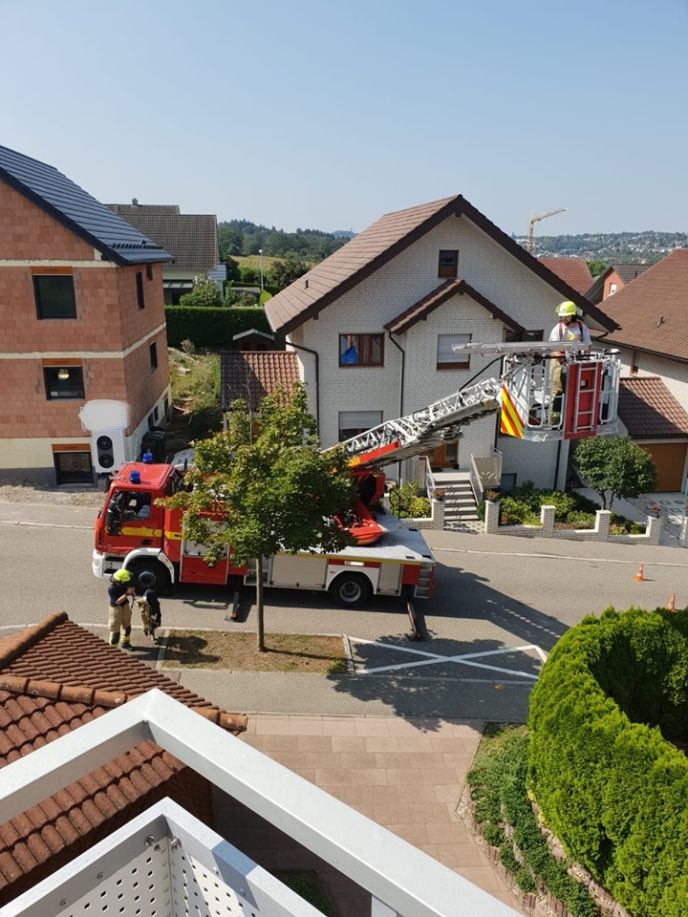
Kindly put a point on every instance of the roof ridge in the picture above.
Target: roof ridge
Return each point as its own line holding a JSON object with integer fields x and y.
{"x": 56, "y": 690}
{"x": 75, "y": 694}
{"x": 440, "y": 200}
{"x": 16, "y": 644}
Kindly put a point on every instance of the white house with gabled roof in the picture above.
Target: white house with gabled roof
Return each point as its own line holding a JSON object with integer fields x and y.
{"x": 375, "y": 324}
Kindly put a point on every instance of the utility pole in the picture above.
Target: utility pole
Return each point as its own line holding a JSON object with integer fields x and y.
{"x": 533, "y": 220}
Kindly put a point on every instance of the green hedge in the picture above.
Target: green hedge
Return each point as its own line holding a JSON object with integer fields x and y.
{"x": 611, "y": 700}
{"x": 498, "y": 791}
{"x": 208, "y": 327}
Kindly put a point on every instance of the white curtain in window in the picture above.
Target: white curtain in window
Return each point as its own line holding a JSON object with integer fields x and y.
{"x": 445, "y": 342}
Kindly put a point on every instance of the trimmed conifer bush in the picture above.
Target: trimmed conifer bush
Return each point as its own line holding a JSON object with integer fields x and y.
{"x": 608, "y": 707}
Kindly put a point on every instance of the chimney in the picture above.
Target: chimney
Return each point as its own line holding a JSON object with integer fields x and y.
{"x": 135, "y": 202}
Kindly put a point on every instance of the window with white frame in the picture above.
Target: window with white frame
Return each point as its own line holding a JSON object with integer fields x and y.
{"x": 447, "y": 357}
{"x": 351, "y": 423}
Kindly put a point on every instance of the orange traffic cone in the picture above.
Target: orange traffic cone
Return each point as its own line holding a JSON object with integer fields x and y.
{"x": 671, "y": 604}
{"x": 640, "y": 575}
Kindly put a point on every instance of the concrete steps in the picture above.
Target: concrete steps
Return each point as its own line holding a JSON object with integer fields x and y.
{"x": 459, "y": 502}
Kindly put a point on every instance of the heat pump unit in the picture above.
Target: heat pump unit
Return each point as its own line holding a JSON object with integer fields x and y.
{"x": 108, "y": 448}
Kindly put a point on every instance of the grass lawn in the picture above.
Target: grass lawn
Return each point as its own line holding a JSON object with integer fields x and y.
{"x": 195, "y": 381}
{"x": 254, "y": 261}
{"x": 284, "y": 652}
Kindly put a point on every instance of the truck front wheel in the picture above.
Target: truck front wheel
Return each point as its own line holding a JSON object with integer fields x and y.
{"x": 150, "y": 574}
{"x": 350, "y": 590}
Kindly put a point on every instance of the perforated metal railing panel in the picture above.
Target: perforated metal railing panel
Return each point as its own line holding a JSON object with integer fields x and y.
{"x": 198, "y": 892}
{"x": 139, "y": 889}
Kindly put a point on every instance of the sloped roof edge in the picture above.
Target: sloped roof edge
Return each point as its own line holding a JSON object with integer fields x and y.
{"x": 310, "y": 306}
{"x": 38, "y": 182}
{"x": 437, "y": 297}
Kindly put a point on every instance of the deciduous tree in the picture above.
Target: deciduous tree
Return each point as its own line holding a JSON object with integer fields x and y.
{"x": 614, "y": 467}
{"x": 263, "y": 486}
{"x": 205, "y": 293}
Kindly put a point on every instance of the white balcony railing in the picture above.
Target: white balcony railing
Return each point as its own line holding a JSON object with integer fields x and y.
{"x": 176, "y": 866}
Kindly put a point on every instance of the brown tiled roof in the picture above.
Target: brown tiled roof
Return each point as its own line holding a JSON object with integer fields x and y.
{"x": 191, "y": 238}
{"x": 652, "y": 311}
{"x": 626, "y": 272}
{"x": 429, "y": 303}
{"x": 253, "y": 374}
{"x": 573, "y": 271}
{"x": 381, "y": 242}
{"x": 649, "y": 410}
{"x": 55, "y": 677}
{"x": 630, "y": 270}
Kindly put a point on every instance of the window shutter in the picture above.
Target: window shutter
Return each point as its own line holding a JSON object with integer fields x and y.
{"x": 357, "y": 420}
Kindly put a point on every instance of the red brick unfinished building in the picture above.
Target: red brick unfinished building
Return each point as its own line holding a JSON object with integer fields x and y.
{"x": 82, "y": 318}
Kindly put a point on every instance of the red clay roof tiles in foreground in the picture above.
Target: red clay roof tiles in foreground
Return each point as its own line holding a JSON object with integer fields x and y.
{"x": 54, "y": 677}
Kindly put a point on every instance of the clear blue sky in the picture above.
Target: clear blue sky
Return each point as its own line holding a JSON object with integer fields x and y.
{"x": 319, "y": 114}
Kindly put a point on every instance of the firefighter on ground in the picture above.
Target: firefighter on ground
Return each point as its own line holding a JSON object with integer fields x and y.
{"x": 119, "y": 612}
{"x": 569, "y": 328}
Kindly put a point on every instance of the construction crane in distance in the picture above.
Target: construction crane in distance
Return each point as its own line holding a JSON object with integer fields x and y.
{"x": 533, "y": 220}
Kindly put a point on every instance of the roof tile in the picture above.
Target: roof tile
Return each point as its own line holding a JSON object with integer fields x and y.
{"x": 39, "y": 850}
{"x": 10, "y": 869}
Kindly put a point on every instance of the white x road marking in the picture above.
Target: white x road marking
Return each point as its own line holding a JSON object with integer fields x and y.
{"x": 434, "y": 658}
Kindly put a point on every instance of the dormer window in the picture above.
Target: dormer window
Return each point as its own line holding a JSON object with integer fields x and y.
{"x": 448, "y": 263}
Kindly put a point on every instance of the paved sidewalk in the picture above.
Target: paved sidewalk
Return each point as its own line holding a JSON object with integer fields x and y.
{"x": 405, "y": 774}
{"x": 359, "y": 695}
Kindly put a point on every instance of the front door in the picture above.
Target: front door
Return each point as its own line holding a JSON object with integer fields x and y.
{"x": 445, "y": 456}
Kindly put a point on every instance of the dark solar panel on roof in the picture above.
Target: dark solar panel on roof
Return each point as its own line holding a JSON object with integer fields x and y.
{"x": 77, "y": 209}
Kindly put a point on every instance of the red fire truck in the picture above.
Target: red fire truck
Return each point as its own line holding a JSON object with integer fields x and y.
{"x": 388, "y": 558}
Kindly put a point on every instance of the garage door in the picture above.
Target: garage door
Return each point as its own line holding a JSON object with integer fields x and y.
{"x": 669, "y": 459}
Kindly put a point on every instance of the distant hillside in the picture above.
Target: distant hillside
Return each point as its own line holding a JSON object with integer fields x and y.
{"x": 241, "y": 237}
{"x": 613, "y": 247}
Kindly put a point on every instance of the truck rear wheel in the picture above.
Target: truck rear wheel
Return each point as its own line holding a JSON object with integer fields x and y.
{"x": 150, "y": 574}
{"x": 350, "y": 590}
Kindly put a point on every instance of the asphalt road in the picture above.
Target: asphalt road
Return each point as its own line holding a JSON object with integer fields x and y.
{"x": 500, "y": 604}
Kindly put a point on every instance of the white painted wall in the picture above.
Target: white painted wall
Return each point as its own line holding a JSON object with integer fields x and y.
{"x": 395, "y": 287}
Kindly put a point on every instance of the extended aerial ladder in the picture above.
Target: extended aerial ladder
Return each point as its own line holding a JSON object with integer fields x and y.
{"x": 524, "y": 391}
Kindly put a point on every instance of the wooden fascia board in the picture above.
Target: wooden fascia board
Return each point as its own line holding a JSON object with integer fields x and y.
{"x": 463, "y": 289}
{"x": 370, "y": 268}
